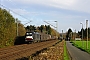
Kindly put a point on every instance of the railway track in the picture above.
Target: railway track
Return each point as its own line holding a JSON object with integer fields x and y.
{"x": 19, "y": 51}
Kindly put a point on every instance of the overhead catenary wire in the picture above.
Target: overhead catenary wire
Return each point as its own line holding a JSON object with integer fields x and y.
{"x": 50, "y": 24}
{"x": 14, "y": 12}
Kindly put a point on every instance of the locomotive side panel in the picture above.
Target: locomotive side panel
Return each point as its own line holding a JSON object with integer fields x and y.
{"x": 36, "y": 37}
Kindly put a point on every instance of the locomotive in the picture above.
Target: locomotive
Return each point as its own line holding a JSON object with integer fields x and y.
{"x": 37, "y": 37}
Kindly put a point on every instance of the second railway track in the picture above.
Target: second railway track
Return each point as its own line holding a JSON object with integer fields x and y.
{"x": 19, "y": 51}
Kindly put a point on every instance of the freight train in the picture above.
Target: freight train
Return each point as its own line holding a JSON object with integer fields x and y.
{"x": 37, "y": 37}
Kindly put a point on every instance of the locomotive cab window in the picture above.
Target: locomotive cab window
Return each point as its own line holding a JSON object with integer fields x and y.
{"x": 28, "y": 34}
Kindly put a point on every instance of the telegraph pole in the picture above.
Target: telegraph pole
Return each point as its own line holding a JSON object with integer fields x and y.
{"x": 82, "y": 30}
{"x": 82, "y": 34}
{"x": 56, "y": 28}
{"x": 0, "y": 4}
{"x": 17, "y": 22}
{"x": 62, "y": 35}
{"x": 17, "y": 26}
{"x": 75, "y": 36}
{"x": 87, "y": 33}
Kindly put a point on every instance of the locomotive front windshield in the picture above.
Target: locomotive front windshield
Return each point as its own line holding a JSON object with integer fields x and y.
{"x": 28, "y": 34}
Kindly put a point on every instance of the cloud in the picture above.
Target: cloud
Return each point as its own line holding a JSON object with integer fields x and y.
{"x": 77, "y": 5}
{"x": 21, "y": 11}
{"x": 35, "y": 13}
{"x": 54, "y": 3}
{"x": 26, "y": 12}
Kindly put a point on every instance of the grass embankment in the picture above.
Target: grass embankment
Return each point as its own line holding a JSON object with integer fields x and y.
{"x": 82, "y": 45}
{"x": 66, "y": 55}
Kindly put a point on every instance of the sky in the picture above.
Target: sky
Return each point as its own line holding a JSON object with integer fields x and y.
{"x": 67, "y": 13}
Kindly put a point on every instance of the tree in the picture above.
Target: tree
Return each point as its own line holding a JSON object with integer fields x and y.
{"x": 49, "y": 29}
{"x": 31, "y": 28}
{"x": 41, "y": 28}
{"x": 21, "y": 30}
{"x": 7, "y": 28}
{"x": 84, "y": 33}
{"x": 89, "y": 32}
{"x": 69, "y": 31}
{"x": 69, "y": 34}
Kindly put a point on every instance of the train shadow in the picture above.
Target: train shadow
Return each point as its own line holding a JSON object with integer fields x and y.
{"x": 19, "y": 40}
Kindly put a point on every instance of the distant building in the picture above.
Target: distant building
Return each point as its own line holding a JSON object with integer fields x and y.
{"x": 62, "y": 35}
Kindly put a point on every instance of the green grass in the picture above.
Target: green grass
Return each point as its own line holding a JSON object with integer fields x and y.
{"x": 66, "y": 56}
{"x": 82, "y": 45}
